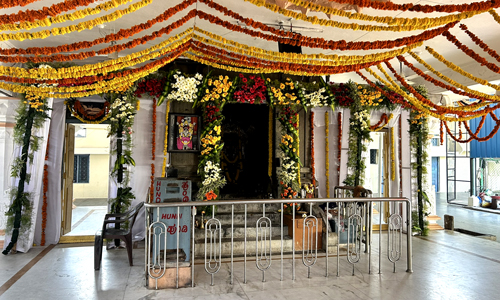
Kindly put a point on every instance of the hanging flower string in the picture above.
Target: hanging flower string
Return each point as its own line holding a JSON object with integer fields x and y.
{"x": 153, "y": 149}
{"x": 441, "y": 132}
{"x": 298, "y": 147}
{"x": 313, "y": 162}
{"x": 327, "y": 154}
{"x": 45, "y": 190}
{"x": 270, "y": 143}
{"x": 384, "y": 120}
{"x": 393, "y": 156}
{"x": 339, "y": 145}
{"x": 165, "y": 143}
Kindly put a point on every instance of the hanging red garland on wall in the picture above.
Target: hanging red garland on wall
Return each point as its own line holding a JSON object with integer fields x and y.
{"x": 339, "y": 150}
{"x": 153, "y": 147}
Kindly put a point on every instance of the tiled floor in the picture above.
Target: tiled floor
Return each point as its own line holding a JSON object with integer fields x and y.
{"x": 446, "y": 265}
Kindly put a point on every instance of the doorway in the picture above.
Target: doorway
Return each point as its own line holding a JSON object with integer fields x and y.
{"x": 377, "y": 175}
{"x": 85, "y": 181}
{"x": 244, "y": 157}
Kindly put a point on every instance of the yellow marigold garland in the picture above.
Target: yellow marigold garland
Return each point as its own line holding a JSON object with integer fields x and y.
{"x": 298, "y": 148}
{"x": 393, "y": 156}
{"x": 80, "y": 14}
{"x": 327, "y": 154}
{"x": 394, "y": 87}
{"x": 460, "y": 71}
{"x": 354, "y": 26}
{"x": 104, "y": 67}
{"x": 316, "y": 59}
{"x": 21, "y": 36}
{"x": 417, "y": 23}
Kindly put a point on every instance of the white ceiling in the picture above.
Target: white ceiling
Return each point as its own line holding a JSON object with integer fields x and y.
{"x": 482, "y": 25}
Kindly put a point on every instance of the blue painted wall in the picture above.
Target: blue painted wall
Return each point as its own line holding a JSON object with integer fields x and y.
{"x": 490, "y": 148}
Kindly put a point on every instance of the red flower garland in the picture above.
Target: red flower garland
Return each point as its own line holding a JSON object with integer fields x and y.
{"x": 53, "y": 10}
{"x": 471, "y": 52}
{"x": 473, "y": 135}
{"x": 400, "y": 157}
{"x": 77, "y": 106}
{"x": 441, "y": 133}
{"x": 14, "y": 3}
{"x": 300, "y": 40}
{"x": 121, "y": 34}
{"x": 339, "y": 152}
{"x": 384, "y": 118}
{"x": 439, "y": 83}
{"x": 153, "y": 147}
{"x": 485, "y": 5}
{"x": 480, "y": 43}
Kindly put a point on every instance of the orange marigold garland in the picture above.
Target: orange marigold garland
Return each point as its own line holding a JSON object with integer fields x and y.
{"x": 327, "y": 154}
{"x": 441, "y": 133}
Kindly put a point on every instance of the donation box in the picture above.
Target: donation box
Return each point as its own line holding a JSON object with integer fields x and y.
{"x": 172, "y": 190}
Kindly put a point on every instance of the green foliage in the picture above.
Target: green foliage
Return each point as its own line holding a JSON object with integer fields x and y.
{"x": 122, "y": 201}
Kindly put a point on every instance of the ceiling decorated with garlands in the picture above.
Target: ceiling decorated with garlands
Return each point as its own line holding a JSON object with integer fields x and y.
{"x": 448, "y": 45}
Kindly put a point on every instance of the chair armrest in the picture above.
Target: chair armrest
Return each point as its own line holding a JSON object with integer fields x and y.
{"x": 114, "y": 221}
{"x": 115, "y": 215}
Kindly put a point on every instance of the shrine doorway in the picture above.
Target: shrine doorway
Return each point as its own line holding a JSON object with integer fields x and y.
{"x": 245, "y": 155}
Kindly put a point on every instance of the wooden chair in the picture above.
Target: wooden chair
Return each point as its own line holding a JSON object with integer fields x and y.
{"x": 124, "y": 234}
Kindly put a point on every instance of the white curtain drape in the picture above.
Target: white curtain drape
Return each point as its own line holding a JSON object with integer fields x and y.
{"x": 54, "y": 163}
{"x": 35, "y": 169}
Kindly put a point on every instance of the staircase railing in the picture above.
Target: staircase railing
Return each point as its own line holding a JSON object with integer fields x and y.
{"x": 160, "y": 237}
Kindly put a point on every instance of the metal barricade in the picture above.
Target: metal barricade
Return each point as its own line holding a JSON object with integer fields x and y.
{"x": 357, "y": 215}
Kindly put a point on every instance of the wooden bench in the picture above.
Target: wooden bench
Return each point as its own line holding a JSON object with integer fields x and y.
{"x": 122, "y": 233}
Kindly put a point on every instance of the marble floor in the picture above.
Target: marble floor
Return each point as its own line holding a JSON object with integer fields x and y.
{"x": 446, "y": 265}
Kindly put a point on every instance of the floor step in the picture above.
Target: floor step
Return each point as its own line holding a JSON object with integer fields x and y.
{"x": 432, "y": 222}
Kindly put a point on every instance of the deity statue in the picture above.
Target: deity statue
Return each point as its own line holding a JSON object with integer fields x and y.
{"x": 185, "y": 137}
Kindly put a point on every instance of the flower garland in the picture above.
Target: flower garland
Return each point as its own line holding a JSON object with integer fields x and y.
{"x": 474, "y": 136}
{"x": 270, "y": 143}
{"x": 461, "y": 90}
{"x": 485, "y": 5}
{"x": 471, "y": 53}
{"x": 359, "y": 131}
{"x": 441, "y": 132}
{"x": 419, "y": 132}
{"x": 460, "y": 71}
{"x": 165, "y": 143}
{"x": 400, "y": 148}
{"x": 45, "y": 190}
{"x": 299, "y": 40}
{"x": 250, "y": 90}
{"x": 30, "y": 15}
{"x": 121, "y": 34}
{"x": 313, "y": 162}
{"x": 217, "y": 92}
{"x": 102, "y": 68}
{"x": 314, "y": 59}
{"x": 414, "y": 102}
{"x": 289, "y": 145}
{"x": 315, "y": 94}
{"x": 384, "y": 120}
{"x": 80, "y": 14}
{"x": 298, "y": 148}
{"x": 420, "y": 23}
{"x": 21, "y": 36}
{"x": 480, "y": 43}
{"x": 78, "y": 111}
{"x": 13, "y": 3}
{"x": 399, "y": 24}
{"x": 339, "y": 145}
{"x": 153, "y": 149}
{"x": 327, "y": 154}
{"x": 393, "y": 156}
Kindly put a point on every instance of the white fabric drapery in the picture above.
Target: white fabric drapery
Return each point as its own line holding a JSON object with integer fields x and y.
{"x": 34, "y": 186}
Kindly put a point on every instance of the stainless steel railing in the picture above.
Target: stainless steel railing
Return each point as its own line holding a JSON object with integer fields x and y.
{"x": 355, "y": 213}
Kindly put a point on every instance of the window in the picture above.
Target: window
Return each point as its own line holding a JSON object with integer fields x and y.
{"x": 81, "y": 168}
{"x": 435, "y": 142}
{"x": 373, "y": 156}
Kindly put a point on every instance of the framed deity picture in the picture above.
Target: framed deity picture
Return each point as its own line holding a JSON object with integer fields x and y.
{"x": 183, "y": 133}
